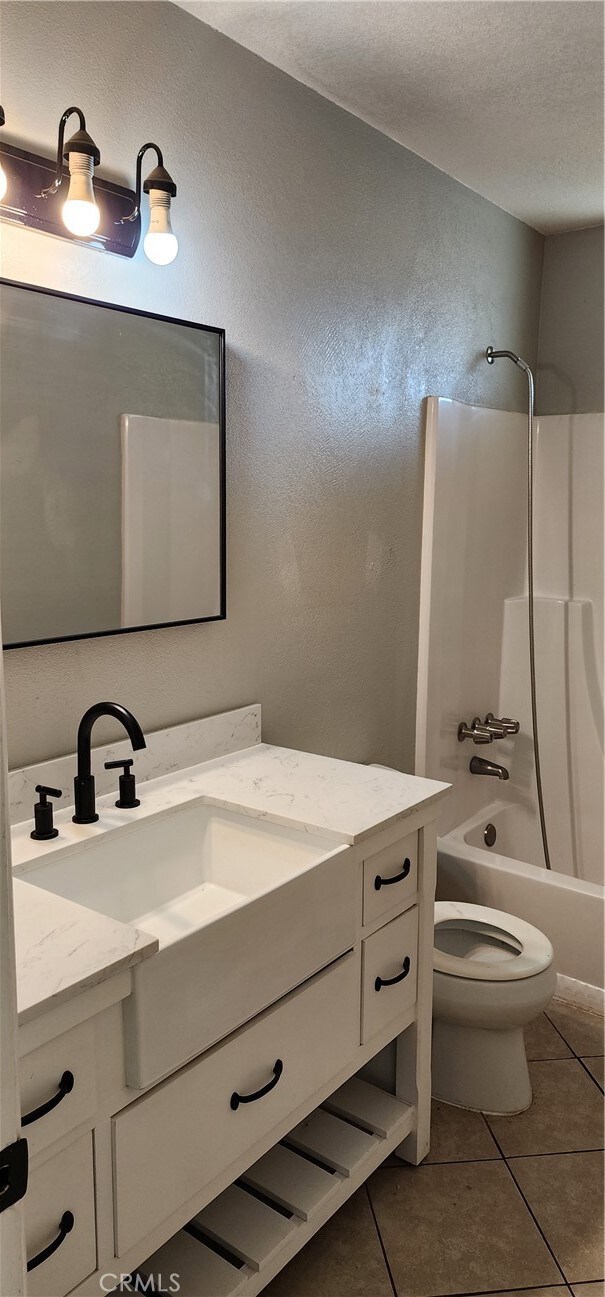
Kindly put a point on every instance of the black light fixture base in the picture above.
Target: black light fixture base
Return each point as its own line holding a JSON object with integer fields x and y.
{"x": 160, "y": 179}
{"x": 82, "y": 143}
{"x": 29, "y": 173}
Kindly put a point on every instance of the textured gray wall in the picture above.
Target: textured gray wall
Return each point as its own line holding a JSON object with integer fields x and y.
{"x": 570, "y": 353}
{"x": 353, "y": 279}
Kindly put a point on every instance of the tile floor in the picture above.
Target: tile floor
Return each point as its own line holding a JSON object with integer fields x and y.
{"x": 501, "y": 1205}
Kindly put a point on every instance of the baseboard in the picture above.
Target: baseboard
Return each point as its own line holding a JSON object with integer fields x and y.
{"x": 570, "y": 991}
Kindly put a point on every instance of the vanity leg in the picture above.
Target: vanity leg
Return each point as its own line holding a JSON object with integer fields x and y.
{"x": 413, "y": 1057}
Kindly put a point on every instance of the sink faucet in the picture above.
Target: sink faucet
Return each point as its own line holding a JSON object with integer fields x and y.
{"x": 84, "y": 782}
{"x": 479, "y": 766}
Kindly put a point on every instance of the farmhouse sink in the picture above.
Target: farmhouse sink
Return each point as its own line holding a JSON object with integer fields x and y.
{"x": 238, "y": 905}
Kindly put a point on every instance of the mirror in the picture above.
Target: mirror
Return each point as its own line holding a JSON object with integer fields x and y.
{"x": 112, "y": 468}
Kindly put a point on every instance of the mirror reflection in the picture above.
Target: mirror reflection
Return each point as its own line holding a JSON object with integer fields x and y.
{"x": 112, "y": 463}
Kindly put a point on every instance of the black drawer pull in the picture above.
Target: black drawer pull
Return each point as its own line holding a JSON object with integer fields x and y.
{"x": 236, "y": 1098}
{"x": 66, "y": 1085}
{"x": 397, "y": 878}
{"x": 66, "y": 1225}
{"x": 392, "y": 981}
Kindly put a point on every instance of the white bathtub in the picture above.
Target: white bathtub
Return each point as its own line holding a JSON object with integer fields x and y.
{"x": 570, "y": 911}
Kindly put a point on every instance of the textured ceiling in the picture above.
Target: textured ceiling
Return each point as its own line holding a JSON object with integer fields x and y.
{"x": 504, "y": 95}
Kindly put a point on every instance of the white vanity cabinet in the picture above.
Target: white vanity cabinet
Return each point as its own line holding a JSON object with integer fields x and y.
{"x": 389, "y": 974}
{"x": 61, "y": 1192}
{"x": 221, "y": 1171}
{"x": 190, "y": 1126}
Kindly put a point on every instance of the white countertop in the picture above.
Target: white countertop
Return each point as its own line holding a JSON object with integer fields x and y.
{"x": 313, "y": 793}
{"x": 63, "y": 947}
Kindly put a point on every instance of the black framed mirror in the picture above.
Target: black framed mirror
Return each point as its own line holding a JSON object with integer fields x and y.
{"x": 112, "y": 468}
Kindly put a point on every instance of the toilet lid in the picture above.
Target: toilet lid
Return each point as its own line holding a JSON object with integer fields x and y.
{"x": 488, "y": 945}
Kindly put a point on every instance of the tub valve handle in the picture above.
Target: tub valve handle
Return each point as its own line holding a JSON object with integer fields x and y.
{"x": 501, "y": 728}
{"x": 478, "y": 732}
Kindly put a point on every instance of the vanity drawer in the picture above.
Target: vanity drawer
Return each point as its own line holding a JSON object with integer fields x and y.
{"x": 389, "y": 973}
{"x": 390, "y": 878}
{"x": 58, "y": 1086}
{"x": 63, "y": 1183}
{"x": 172, "y": 1142}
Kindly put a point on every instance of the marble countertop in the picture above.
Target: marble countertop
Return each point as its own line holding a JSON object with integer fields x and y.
{"x": 313, "y": 793}
{"x": 63, "y": 947}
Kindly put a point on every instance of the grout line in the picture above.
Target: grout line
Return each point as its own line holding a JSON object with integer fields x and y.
{"x": 573, "y": 1058}
{"x": 558, "y": 1058}
{"x": 536, "y": 1222}
{"x": 560, "y": 1033}
{"x": 466, "y": 1161}
{"x": 382, "y": 1246}
{"x": 499, "y": 1292}
{"x": 587, "y": 1070}
{"x": 560, "y": 1152}
{"x": 492, "y": 1136}
{"x": 567, "y": 1042}
{"x": 455, "y": 1161}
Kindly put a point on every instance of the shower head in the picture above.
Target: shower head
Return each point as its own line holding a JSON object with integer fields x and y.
{"x": 491, "y": 356}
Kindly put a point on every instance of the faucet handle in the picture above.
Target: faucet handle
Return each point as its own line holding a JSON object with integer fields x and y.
{"x": 43, "y": 814}
{"x": 500, "y": 728}
{"x": 128, "y": 789}
{"x": 495, "y": 727}
{"x": 478, "y": 732}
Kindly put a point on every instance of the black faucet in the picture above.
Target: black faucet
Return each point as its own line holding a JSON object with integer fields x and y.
{"x": 84, "y": 782}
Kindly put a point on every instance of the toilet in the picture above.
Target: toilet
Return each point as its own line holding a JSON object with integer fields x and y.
{"x": 493, "y": 974}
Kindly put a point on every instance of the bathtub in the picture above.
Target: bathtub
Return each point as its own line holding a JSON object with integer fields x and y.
{"x": 570, "y": 911}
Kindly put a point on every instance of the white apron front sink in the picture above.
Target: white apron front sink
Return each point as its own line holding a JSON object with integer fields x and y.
{"x": 240, "y": 908}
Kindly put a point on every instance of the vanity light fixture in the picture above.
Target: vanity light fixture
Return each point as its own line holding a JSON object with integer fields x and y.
{"x": 95, "y": 212}
{"x": 3, "y": 180}
{"x": 160, "y": 242}
{"x": 81, "y": 214}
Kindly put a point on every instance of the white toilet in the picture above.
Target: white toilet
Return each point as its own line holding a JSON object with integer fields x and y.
{"x": 493, "y": 973}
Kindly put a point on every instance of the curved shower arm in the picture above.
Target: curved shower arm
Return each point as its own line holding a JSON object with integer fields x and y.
{"x": 491, "y": 356}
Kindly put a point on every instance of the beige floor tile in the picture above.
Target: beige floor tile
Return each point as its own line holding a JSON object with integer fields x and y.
{"x": 344, "y": 1259}
{"x": 596, "y": 1067}
{"x": 589, "y": 1289}
{"x": 542, "y": 1040}
{"x": 582, "y": 1031}
{"x": 458, "y": 1228}
{"x": 566, "y": 1114}
{"x": 458, "y": 1135}
{"x": 565, "y": 1193}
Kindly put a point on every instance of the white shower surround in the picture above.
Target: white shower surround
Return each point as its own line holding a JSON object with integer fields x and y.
{"x": 473, "y": 657}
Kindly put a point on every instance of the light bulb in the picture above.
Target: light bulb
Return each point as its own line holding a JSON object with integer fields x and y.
{"x": 160, "y": 244}
{"x": 80, "y": 212}
{"x": 3, "y": 182}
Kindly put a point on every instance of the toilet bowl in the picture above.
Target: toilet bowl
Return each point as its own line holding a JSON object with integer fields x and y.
{"x": 493, "y": 974}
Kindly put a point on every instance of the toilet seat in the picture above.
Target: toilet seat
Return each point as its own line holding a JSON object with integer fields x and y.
{"x": 506, "y": 948}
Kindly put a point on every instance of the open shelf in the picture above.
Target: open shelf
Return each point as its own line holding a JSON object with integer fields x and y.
{"x": 242, "y": 1239}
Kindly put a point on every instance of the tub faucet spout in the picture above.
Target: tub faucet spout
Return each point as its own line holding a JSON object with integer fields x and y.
{"x": 479, "y": 766}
